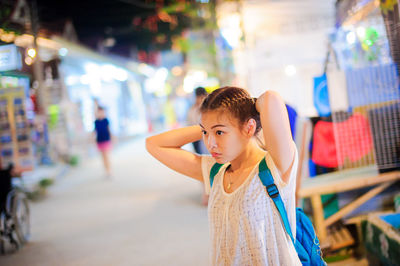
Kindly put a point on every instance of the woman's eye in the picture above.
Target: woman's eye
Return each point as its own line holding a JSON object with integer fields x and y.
{"x": 204, "y": 132}
{"x": 219, "y": 132}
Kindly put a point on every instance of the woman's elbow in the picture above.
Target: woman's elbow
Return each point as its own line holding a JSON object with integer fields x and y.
{"x": 150, "y": 144}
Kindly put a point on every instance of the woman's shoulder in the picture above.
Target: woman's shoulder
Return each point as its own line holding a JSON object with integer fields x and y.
{"x": 275, "y": 172}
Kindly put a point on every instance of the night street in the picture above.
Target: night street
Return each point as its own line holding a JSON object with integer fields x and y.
{"x": 144, "y": 215}
{"x": 98, "y": 99}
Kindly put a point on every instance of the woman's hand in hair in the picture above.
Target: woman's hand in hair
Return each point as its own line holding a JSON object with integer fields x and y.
{"x": 259, "y": 102}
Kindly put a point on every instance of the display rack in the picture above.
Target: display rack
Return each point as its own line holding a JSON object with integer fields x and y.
{"x": 15, "y": 139}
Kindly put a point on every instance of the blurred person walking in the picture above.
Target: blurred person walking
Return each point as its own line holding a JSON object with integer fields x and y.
{"x": 103, "y": 138}
{"x": 193, "y": 118}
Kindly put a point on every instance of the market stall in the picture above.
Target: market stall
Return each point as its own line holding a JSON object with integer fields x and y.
{"x": 15, "y": 112}
{"x": 354, "y": 142}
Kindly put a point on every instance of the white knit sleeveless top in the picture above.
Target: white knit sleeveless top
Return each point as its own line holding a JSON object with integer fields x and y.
{"x": 245, "y": 226}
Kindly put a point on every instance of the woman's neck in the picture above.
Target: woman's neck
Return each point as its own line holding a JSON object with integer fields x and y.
{"x": 250, "y": 156}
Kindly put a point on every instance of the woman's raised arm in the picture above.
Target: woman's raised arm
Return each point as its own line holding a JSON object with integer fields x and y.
{"x": 276, "y": 130}
{"x": 166, "y": 147}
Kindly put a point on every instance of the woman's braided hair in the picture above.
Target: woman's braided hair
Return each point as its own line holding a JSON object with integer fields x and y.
{"x": 235, "y": 100}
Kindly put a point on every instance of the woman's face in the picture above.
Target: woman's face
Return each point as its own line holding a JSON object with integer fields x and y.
{"x": 101, "y": 114}
{"x": 222, "y": 135}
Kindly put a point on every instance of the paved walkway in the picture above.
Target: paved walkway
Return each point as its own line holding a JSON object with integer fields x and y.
{"x": 145, "y": 215}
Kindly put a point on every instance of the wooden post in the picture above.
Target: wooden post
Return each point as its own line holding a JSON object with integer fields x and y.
{"x": 301, "y": 160}
{"x": 356, "y": 203}
{"x": 318, "y": 214}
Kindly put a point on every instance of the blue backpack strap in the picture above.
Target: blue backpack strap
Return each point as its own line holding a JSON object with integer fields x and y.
{"x": 214, "y": 172}
{"x": 268, "y": 181}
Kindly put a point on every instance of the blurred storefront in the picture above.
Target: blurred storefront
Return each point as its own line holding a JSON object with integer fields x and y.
{"x": 15, "y": 111}
{"x": 93, "y": 79}
{"x": 278, "y": 45}
{"x": 74, "y": 81}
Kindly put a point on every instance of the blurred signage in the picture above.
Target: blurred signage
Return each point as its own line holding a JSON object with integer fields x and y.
{"x": 9, "y": 59}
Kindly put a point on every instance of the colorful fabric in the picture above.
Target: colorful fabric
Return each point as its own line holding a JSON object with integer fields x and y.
{"x": 353, "y": 141}
{"x": 354, "y": 138}
{"x": 324, "y": 149}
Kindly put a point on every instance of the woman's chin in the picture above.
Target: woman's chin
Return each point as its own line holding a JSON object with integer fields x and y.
{"x": 220, "y": 160}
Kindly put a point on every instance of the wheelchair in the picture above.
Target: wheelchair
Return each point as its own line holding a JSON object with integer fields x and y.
{"x": 14, "y": 215}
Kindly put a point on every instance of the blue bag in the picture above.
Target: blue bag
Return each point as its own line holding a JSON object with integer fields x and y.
{"x": 306, "y": 242}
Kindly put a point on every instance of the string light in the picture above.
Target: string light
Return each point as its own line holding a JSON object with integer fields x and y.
{"x": 31, "y": 52}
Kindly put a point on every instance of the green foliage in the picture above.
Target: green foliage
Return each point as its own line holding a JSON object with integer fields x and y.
{"x": 173, "y": 19}
{"x": 178, "y": 7}
{"x": 184, "y": 44}
{"x": 210, "y": 25}
{"x": 41, "y": 190}
{"x": 34, "y": 195}
{"x": 5, "y": 11}
{"x": 212, "y": 50}
{"x": 46, "y": 182}
{"x": 74, "y": 160}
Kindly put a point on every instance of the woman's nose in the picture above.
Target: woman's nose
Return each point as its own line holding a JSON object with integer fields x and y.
{"x": 211, "y": 143}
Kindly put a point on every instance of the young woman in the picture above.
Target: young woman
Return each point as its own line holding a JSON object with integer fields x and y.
{"x": 103, "y": 138}
{"x": 245, "y": 226}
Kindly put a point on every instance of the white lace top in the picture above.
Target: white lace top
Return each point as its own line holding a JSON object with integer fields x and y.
{"x": 245, "y": 226}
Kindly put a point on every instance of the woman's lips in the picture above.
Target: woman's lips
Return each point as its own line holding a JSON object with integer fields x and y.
{"x": 214, "y": 154}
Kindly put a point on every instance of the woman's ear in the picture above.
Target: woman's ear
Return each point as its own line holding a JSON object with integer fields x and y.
{"x": 251, "y": 127}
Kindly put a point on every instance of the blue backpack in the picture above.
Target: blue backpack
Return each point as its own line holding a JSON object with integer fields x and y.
{"x": 306, "y": 242}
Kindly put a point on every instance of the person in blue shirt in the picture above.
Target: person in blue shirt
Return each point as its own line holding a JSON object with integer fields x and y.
{"x": 103, "y": 138}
